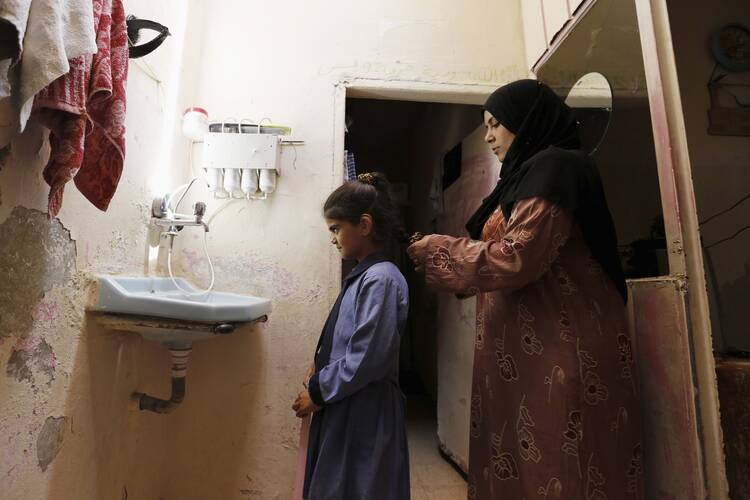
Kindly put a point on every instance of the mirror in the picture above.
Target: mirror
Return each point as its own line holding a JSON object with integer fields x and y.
{"x": 591, "y": 101}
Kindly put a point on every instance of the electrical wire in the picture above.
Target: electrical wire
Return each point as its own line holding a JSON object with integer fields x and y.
{"x": 728, "y": 238}
{"x": 722, "y": 212}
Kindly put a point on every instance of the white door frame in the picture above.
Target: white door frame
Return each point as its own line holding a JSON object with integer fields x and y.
{"x": 389, "y": 90}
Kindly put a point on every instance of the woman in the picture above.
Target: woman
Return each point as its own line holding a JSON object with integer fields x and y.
{"x": 554, "y": 406}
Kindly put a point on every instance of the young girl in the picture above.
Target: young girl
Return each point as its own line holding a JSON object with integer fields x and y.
{"x": 357, "y": 447}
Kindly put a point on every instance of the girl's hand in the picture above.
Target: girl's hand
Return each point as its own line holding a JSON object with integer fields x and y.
{"x": 418, "y": 253}
{"x": 310, "y": 372}
{"x": 303, "y": 406}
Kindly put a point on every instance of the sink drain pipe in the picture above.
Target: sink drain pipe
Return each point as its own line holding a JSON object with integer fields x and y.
{"x": 179, "y": 370}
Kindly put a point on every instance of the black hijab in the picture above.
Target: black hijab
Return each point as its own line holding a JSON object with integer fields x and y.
{"x": 545, "y": 161}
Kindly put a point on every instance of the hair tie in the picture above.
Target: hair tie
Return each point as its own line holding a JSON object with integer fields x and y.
{"x": 366, "y": 178}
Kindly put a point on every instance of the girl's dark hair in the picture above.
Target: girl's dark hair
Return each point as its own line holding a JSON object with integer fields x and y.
{"x": 369, "y": 194}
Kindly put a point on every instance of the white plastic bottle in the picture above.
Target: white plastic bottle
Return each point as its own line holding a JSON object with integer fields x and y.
{"x": 267, "y": 182}
{"x": 249, "y": 181}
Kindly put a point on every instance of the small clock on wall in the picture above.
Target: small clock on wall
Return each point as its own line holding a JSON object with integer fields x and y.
{"x": 730, "y": 46}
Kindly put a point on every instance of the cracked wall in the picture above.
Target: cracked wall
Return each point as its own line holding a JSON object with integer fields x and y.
{"x": 57, "y": 363}
{"x": 37, "y": 255}
{"x": 66, "y": 428}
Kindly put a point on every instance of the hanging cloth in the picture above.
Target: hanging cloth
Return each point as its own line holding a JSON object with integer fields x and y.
{"x": 85, "y": 112}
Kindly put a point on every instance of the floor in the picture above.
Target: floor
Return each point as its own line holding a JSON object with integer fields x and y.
{"x": 432, "y": 477}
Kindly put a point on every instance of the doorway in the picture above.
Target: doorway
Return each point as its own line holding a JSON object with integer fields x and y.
{"x": 418, "y": 144}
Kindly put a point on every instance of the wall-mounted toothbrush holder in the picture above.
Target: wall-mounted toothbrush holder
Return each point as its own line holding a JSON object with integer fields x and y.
{"x": 242, "y": 160}
{"x": 241, "y": 151}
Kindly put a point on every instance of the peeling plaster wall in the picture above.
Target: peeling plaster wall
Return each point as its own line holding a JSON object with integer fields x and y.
{"x": 719, "y": 163}
{"x": 66, "y": 429}
{"x": 235, "y": 435}
{"x": 282, "y": 61}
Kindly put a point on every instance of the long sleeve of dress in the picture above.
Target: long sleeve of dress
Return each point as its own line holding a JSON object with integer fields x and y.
{"x": 518, "y": 255}
{"x": 372, "y": 349}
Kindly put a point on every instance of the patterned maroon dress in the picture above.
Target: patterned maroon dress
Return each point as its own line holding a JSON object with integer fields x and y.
{"x": 554, "y": 405}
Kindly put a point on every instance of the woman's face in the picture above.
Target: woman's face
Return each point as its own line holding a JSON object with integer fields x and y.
{"x": 498, "y": 137}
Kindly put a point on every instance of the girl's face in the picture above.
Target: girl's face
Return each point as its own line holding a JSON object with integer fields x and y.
{"x": 354, "y": 241}
{"x": 498, "y": 137}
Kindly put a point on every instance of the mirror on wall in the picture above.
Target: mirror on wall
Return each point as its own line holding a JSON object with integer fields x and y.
{"x": 591, "y": 101}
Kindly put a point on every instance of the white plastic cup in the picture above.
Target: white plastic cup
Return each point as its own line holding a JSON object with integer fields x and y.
{"x": 195, "y": 124}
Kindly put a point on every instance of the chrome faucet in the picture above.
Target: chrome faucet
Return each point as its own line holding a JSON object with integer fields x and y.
{"x": 163, "y": 215}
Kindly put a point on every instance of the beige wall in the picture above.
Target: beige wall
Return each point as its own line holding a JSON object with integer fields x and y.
{"x": 280, "y": 247}
{"x": 65, "y": 427}
{"x": 719, "y": 163}
{"x": 235, "y": 436}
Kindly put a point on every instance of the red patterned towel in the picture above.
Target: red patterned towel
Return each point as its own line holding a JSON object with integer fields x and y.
{"x": 85, "y": 112}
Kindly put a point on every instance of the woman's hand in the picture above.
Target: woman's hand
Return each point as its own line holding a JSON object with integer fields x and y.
{"x": 418, "y": 253}
{"x": 303, "y": 405}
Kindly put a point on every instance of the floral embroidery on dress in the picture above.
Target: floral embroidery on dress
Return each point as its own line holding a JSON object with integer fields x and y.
{"x": 508, "y": 246}
{"x": 635, "y": 469}
{"x": 515, "y": 241}
{"x": 442, "y": 259}
{"x": 626, "y": 355}
{"x": 596, "y": 481}
{"x": 471, "y": 488}
{"x": 504, "y": 466}
{"x": 506, "y": 363}
{"x": 479, "y": 337}
{"x": 558, "y": 240}
{"x": 476, "y": 413}
{"x": 595, "y": 311}
{"x": 620, "y": 418}
{"x": 594, "y": 390}
{"x": 567, "y": 286}
{"x": 587, "y": 361}
{"x": 573, "y": 436}
{"x": 524, "y": 314}
{"x": 557, "y": 374}
{"x": 530, "y": 343}
{"x": 566, "y": 327}
{"x": 523, "y": 235}
{"x": 526, "y": 445}
{"x": 486, "y": 272}
{"x": 553, "y": 489}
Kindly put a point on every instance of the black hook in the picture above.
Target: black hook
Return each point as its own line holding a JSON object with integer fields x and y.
{"x": 135, "y": 25}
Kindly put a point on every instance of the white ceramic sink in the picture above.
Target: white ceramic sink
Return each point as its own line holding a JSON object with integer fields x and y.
{"x": 160, "y": 298}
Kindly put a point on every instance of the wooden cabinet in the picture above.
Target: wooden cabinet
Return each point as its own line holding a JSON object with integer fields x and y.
{"x": 535, "y": 36}
{"x": 574, "y": 4}
{"x": 556, "y": 15}
{"x": 543, "y": 20}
